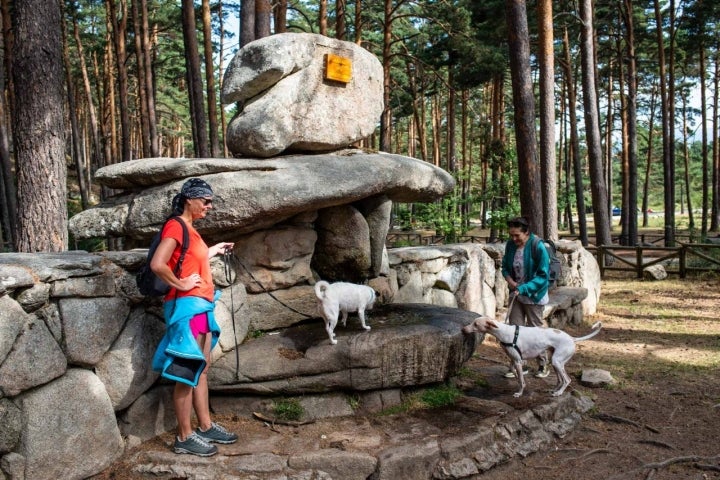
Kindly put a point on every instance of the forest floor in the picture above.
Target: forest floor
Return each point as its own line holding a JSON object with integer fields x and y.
{"x": 660, "y": 421}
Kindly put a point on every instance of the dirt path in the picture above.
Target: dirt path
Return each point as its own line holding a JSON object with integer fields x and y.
{"x": 661, "y": 342}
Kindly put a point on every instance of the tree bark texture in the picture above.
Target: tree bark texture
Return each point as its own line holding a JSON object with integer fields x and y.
{"x": 119, "y": 31}
{"x": 524, "y": 106}
{"x": 548, "y": 169}
{"x": 631, "y": 108}
{"x": 263, "y": 14}
{"x": 38, "y": 126}
{"x": 247, "y": 22}
{"x": 212, "y": 110}
{"x": 194, "y": 79}
{"x": 592, "y": 126}
{"x": 668, "y": 169}
{"x": 575, "y": 140}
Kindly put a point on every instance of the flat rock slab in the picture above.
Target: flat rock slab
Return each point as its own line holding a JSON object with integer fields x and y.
{"x": 252, "y": 194}
{"x": 409, "y": 344}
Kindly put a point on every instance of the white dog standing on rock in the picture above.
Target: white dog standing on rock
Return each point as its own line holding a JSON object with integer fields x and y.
{"x": 334, "y": 298}
{"x": 522, "y": 343}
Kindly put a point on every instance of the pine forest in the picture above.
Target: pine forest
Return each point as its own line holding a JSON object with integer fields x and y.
{"x": 595, "y": 119}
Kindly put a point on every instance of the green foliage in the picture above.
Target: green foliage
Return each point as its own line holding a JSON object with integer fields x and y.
{"x": 441, "y": 396}
{"x": 432, "y": 397}
{"x": 288, "y": 409}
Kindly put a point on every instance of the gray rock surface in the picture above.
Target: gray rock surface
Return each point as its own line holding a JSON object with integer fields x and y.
{"x": 126, "y": 369}
{"x": 287, "y": 104}
{"x": 251, "y": 194}
{"x": 68, "y": 439}
{"x": 343, "y": 245}
{"x": 408, "y": 345}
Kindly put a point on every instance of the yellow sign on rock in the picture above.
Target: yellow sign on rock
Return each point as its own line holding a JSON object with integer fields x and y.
{"x": 338, "y": 68}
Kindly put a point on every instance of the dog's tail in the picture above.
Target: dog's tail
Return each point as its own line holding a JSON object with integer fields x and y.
{"x": 320, "y": 289}
{"x": 597, "y": 326}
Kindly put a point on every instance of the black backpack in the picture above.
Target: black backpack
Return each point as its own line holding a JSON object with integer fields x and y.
{"x": 147, "y": 282}
{"x": 555, "y": 265}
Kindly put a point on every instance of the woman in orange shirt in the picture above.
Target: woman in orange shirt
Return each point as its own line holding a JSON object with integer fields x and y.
{"x": 184, "y": 352}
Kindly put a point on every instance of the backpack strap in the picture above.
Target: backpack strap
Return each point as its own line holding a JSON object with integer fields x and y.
{"x": 183, "y": 247}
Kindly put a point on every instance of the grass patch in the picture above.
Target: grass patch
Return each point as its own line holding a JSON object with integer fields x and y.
{"x": 288, "y": 409}
{"x": 427, "y": 398}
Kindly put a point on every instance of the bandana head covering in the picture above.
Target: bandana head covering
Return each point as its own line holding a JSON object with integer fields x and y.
{"x": 196, "y": 188}
{"x": 193, "y": 188}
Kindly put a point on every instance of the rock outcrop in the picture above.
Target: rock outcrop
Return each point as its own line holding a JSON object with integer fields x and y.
{"x": 288, "y": 103}
{"x": 251, "y": 194}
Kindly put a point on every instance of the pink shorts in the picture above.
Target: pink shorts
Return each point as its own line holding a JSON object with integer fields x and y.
{"x": 199, "y": 324}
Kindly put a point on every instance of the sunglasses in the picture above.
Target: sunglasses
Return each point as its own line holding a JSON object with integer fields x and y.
{"x": 206, "y": 201}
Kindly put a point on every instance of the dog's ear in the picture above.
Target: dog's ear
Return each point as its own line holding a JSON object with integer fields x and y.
{"x": 491, "y": 323}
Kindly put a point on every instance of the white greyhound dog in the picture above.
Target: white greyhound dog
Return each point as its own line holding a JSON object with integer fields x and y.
{"x": 522, "y": 343}
{"x": 337, "y": 297}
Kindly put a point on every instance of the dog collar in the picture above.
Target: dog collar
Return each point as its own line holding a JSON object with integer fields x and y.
{"x": 514, "y": 342}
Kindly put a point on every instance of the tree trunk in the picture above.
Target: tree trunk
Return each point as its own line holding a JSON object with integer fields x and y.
{"x": 247, "y": 22}
{"x": 8, "y": 193}
{"x": 142, "y": 82}
{"x": 38, "y": 127}
{"x": 668, "y": 168}
{"x": 715, "y": 212}
{"x": 119, "y": 32}
{"x": 631, "y": 103}
{"x": 592, "y": 126}
{"x": 704, "y": 147}
{"x": 194, "y": 79}
{"x": 322, "y": 16}
{"x": 212, "y": 110}
{"x": 280, "y": 16}
{"x": 97, "y": 149}
{"x": 648, "y": 161}
{"x": 450, "y": 121}
{"x": 686, "y": 159}
{"x": 436, "y": 130}
{"x": 263, "y": 14}
{"x": 149, "y": 83}
{"x": 670, "y": 175}
{"x": 221, "y": 70}
{"x": 524, "y": 115}
{"x": 358, "y": 21}
{"x": 574, "y": 141}
{"x": 77, "y": 150}
{"x": 340, "y": 32}
{"x": 386, "y": 116}
{"x": 624, "y": 176}
{"x": 548, "y": 169}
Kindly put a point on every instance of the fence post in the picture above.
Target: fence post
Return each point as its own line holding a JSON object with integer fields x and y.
{"x": 638, "y": 262}
{"x": 683, "y": 257}
{"x": 601, "y": 260}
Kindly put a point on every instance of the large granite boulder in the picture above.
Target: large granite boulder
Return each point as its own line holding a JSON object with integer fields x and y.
{"x": 251, "y": 194}
{"x": 410, "y": 344}
{"x": 64, "y": 437}
{"x": 287, "y": 103}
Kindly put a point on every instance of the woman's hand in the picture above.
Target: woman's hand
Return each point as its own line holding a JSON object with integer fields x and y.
{"x": 188, "y": 283}
{"x": 221, "y": 247}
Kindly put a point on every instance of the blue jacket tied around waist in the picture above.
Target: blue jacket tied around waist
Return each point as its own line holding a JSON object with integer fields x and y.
{"x": 179, "y": 357}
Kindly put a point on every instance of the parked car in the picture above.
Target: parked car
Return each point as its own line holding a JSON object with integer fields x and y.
{"x": 616, "y": 211}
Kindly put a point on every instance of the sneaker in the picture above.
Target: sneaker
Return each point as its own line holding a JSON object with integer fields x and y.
{"x": 543, "y": 371}
{"x": 195, "y": 445}
{"x": 511, "y": 373}
{"x": 217, "y": 434}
